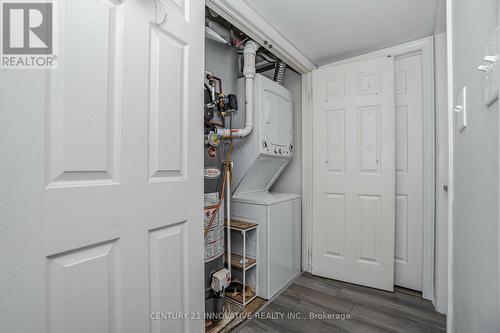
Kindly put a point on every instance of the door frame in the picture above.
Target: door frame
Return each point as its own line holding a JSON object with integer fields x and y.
{"x": 239, "y": 14}
{"x": 451, "y": 103}
{"x": 426, "y": 47}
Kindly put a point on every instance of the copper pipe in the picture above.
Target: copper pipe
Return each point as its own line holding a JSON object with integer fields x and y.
{"x": 217, "y": 207}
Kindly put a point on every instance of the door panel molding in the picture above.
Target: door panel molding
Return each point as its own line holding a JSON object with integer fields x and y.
{"x": 83, "y": 129}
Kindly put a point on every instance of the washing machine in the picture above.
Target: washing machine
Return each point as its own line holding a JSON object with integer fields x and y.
{"x": 278, "y": 243}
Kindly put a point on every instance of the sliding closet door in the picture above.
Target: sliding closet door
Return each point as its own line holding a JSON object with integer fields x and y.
{"x": 409, "y": 172}
{"x": 101, "y": 196}
{"x": 354, "y": 178}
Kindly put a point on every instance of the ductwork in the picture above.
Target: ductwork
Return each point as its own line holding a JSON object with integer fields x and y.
{"x": 249, "y": 53}
{"x": 279, "y": 72}
{"x": 212, "y": 35}
{"x": 217, "y": 32}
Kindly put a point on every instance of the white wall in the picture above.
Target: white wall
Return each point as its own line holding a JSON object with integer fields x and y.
{"x": 475, "y": 266}
{"x": 441, "y": 246}
{"x": 440, "y": 19}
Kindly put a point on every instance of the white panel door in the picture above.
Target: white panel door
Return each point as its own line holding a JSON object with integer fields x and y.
{"x": 409, "y": 171}
{"x": 354, "y": 181}
{"x": 101, "y": 183}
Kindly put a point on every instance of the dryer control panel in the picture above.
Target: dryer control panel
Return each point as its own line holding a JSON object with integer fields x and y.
{"x": 275, "y": 150}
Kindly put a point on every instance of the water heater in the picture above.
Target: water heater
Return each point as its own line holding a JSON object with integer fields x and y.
{"x": 260, "y": 158}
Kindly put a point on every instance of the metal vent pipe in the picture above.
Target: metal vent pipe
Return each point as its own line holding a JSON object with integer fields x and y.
{"x": 279, "y": 72}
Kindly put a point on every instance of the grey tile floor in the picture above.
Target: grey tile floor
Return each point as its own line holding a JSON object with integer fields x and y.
{"x": 369, "y": 310}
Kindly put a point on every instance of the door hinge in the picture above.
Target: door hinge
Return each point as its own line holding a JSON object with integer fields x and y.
{"x": 310, "y": 95}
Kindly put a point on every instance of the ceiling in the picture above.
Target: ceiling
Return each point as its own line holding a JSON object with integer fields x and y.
{"x": 329, "y": 30}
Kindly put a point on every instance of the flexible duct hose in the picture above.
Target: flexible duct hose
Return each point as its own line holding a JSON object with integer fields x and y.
{"x": 279, "y": 72}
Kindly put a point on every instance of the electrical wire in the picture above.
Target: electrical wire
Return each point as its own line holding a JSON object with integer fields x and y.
{"x": 237, "y": 45}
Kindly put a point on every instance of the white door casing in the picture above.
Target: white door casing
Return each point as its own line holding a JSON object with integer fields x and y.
{"x": 100, "y": 211}
{"x": 409, "y": 171}
{"x": 353, "y": 172}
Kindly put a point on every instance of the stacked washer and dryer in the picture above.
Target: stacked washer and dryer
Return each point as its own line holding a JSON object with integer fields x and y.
{"x": 259, "y": 159}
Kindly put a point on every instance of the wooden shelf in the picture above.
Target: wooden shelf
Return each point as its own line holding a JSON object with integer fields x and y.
{"x": 241, "y": 225}
{"x": 235, "y": 261}
{"x": 239, "y": 298}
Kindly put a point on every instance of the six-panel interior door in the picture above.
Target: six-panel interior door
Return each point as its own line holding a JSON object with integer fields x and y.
{"x": 409, "y": 171}
{"x": 353, "y": 167}
{"x": 101, "y": 195}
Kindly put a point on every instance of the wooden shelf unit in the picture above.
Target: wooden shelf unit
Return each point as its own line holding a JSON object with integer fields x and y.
{"x": 237, "y": 260}
{"x": 239, "y": 298}
{"x": 241, "y": 225}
